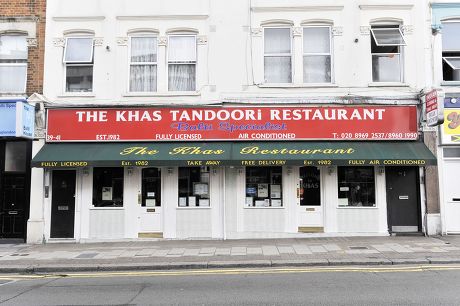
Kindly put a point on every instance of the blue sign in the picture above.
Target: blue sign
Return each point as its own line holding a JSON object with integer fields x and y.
{"x": 17, "y": 119}
{"x": 25, "y": 126}
{"x": 452, "y": 102}
{"x": 7, "y": 119}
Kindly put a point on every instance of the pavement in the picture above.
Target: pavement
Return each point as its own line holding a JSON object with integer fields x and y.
{"x": 208, "y": 254}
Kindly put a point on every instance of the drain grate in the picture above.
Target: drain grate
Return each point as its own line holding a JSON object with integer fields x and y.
{"x": 358, "y": 248}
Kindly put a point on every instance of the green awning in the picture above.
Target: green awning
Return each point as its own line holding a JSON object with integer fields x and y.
{"x": 65, "y": 155}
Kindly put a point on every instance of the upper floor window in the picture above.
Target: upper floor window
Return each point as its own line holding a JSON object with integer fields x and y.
{"x": 143, "y": 64}
{"x": 277, "y": 55}
{"x": 78, "y": 59}
{"x": 451, "y": 51}
{"x": 13, "y": 63}
{"x": 182, "y": 63}
{"x": 386, "y": 49}
{"x": 317, "y": 58}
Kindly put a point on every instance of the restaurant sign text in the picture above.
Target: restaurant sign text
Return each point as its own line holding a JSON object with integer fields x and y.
{"x": 233, "y": 123}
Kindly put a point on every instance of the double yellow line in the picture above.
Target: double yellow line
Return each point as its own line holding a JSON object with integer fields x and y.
{"x": 380, "y": 269}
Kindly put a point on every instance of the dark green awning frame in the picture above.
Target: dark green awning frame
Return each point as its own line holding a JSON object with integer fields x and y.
{"x": 143, "y": 154}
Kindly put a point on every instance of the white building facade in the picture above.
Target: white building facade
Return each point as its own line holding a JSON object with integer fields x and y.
{"x": 445, "y": 25}
{"x": 199, "y": 119}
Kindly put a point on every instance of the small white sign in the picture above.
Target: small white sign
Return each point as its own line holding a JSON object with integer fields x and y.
{"x": 204, "y": 202}
{"x": 106, "y": 193}
{"x": 262, "y": 190}
{"x": 182, "y": 202}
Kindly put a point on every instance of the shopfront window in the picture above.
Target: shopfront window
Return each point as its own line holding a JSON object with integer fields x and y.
{"x": 194, "y": 187}
{"x": 264, "y": 187}
{"x": 151, "y": 187}
{"x": 356, "y": 186}
{"x": 108, "y": 187}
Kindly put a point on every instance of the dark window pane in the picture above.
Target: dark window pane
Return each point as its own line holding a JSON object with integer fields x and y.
{"x": 151, "y": 187}
{"x": 194, "y": 186}
{"x": 79, "y": 78}
{"x": 264, "y": 186}
{"x": 310, "y": 186}
{"x": 108, "y": 187}
{"x": 356, "y": 186}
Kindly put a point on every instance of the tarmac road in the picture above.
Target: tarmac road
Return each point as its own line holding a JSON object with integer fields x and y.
{"x": 401, "y": 285}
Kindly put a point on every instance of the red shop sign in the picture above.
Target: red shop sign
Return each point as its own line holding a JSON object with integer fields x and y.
{"x": 233, "y": 123}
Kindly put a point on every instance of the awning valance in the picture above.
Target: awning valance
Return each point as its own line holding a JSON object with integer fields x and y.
{"x": 65, "y": 155}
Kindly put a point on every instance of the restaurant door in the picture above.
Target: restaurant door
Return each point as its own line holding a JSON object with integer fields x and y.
{"x": 310, "y": 209}
{"x": 403, "y": 199}
{"x": 63, "y": 204}
{"x": 150, "y": 210}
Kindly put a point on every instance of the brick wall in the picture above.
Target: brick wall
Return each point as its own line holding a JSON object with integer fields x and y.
{"x": 30, "y": 9}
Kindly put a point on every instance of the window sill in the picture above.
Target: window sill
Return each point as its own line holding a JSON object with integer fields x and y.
{"x": 269, "y": 207}
{"x": 357, "y": 207}
{"x": 106, "y": 208}
{"x": 388, "y": 84}
{"x": 77, "y": 94}
{"x": 450, "y": 83}
{"x": 162, "y": 94}
{"x": 303, "y": 85}
{"x": 193, "y": 208}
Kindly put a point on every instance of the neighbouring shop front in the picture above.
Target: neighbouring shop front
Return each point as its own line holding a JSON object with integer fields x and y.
{"x": 450, "y": 167}
{"x": 232, "y": 172}
{"x": 16, "y": 130}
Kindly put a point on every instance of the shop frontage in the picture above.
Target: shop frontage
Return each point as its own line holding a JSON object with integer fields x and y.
{"x": 236, "y": 172}
{"x": 16, "y": 130}
{"x": 450, "y": 152}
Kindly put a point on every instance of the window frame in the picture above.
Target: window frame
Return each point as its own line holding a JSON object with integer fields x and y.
{"x": 123, "y": 196}
{"x": 388, "y": 45}
{"x": 202, "y": 169}
{"x": 318, "y": 54}
{"x": 453, "y": 53}
{"x": 375, "y": 206}
{"x": 78, "y": 64}
{"x": 447, "y": 58}
{"x": 290, "y": 54}
{"x": 400, "y": 53}
{"x": 130, "y": 63}
{"x": 168, "y": 62}
{"x": 18, "y": 64}
{"x": 271, "y": 171}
